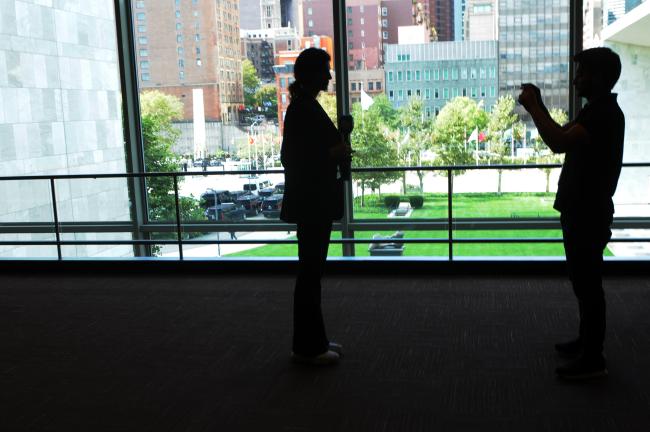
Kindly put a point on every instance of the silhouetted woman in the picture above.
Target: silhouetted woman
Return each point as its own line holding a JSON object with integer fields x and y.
{"x": 312, "y": 149}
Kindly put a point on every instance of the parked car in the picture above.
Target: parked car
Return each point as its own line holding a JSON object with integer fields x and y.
{"x": 219, "y": 205}
{"x": 254, "y": 185}
{"x": 271, "y": 206}
{"x": 251, "y": 203}
{"x": 279, "y": 188}
{"x": 215, "y": 162}
{"x": 197, "y": 163}
{"x": 266, "y": 192}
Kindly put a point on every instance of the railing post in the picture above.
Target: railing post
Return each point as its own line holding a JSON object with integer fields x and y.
{"x": 179, "y": 233}
{"x": 450, "y": 211}
{"x": 55, "y": 214}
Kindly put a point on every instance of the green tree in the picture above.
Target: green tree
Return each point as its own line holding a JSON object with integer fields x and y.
{"x": 328, "y": 102}
{"x": 414, "y": 137}
{"x": 389, "y": 116}
{"x": 251, "y": 83}
{"x": 266, "y": 97}
{"x": 502, "y": 119}
{"x": 457, "y": 119}
{"x": 372, "y": 149}
{"x": 158, "y": 110}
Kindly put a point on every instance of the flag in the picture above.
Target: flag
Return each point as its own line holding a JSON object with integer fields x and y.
{"x": 366, "y": 100}
{"x": 481, "y": 137}
{"x": 473, "y": 136}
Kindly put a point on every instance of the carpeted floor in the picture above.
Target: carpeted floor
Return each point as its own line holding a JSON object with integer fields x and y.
{"x": 211, "y": 354}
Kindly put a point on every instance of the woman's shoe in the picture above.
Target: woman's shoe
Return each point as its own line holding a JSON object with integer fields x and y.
{"x": 337, "y": 348}
{"x": 328, "y": 358}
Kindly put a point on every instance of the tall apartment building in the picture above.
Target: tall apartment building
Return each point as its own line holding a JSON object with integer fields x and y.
{"x": 250, "y": 14}
{"x": 395, "y": 14}
{"x": 365, "y": 42}
{"x": 262, "y": 45}
{"x": 592, "y": 23}
{"x": 271, "y": 14}
{"x": 459, "y": 19}
{"x": 534, "y": 47}
{"x": 439, "y": 71}
{"x": 441, "y": 13}
{"x": 480, "y": 20}
{"x": 192, "y": 50}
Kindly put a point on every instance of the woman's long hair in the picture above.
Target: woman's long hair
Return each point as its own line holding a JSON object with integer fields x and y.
{"x": 309, "y": 65}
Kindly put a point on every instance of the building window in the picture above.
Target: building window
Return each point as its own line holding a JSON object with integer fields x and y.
{"x": 348, "y": 10}
{"x": 384, "y": 34}
{"x": 198, "y": 50}
{"x": 427, "y": 93}
{"x": 399, "y": 76}
{"x": 349, "y": 33}
{"x": 417, "y": 75}
{"x": 417, "y": 92}
{"x": 377, "y": 85}
{"x": 408, "y": 93}
{"x": 483, "y": 92}
{"x": 427, "y": 75}
{"x": 144, "y": 53}
{"x": 464, "y": 91}
{"x": 139, "y": 4}
{"x": 363, "y": 33}
{"x": 180, "y": 50}
{"x": 179, "y": 38}
{"x": 436, "y": 74}
{"x": 353, "y": 86}
{"x": 197, "y": 37}
{"x": 181, "y": 75}
{"x": 445, "y": 93}
{"x": 445, "y": 74}
{"x": 284, "y": 98}
{"x": 400, "y": 94}
{"x": 454, "y": 92}
{"x": 472, "y": 73}
{"x": 408, "y": 75}
{"x": 390, "y": 95}
{"x": 144, "y": 64}
{"x": 463, "y": 73}
{"x": 474, "y": 92}
{"x": 436, "y": 95}
{"x": 143, "y": 40}
{"x": 483, "y": 73}
{"x": 361, "y": 9}
{"x": 370, "y": 86}
{"x": 310, "y": 23}
{"x": 181, "y": 63}
{"x": 384, "y": 11}
{"x": 179, "y": 26}
{"x": 384, "y": 22}
{"x": 309, "y": 11}
{"x": 199, "y": 62}
{"x": 145, "y": 76}
{"x": 178, "y": 14}
{"x": 454, "y": 73}
{"x": 142, "y": 29}
{"x": 361, "y": 21}
{"x": 493, "y": 91}
{"x": 140, "y": 16}
{"x": 390, "y": 76}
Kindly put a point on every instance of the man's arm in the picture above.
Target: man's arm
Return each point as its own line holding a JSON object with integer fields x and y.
{"x": 556, "y": 137}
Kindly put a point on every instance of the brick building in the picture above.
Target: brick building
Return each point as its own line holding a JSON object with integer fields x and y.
{"x": 192, "y": 49}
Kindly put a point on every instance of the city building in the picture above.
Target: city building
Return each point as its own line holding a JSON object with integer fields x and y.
{"x": 365, "y": 43}
{"x": 250, "y": 14}
{"x": 260, "y": 46}
{"x": 371, "y": 81}
{"x": 441, "y": 15}
{"x": 395, "y": 14}
{"x": 480, "y": 20}
{"x": 192, "y": 51}
{"x": 459, "y": 19}
{"x": 592, "y": 22}
{"x": 439, "y": 71}
{"x": 271, "y": 13}
{"x": 534, "y": 47}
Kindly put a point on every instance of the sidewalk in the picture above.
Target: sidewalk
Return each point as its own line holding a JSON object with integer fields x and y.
{"x": 214, "y": 250}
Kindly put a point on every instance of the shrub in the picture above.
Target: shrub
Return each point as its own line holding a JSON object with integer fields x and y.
{"x": 416, "y": 201}
{"x": 391, "y": 201}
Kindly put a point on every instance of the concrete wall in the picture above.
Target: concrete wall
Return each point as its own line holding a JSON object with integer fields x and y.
{"x": 217, "y": 137}
{"x": 633, "y": 88}
{"x": 60, "y": 114}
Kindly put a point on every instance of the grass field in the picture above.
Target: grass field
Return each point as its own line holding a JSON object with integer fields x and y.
{"x": 507, "y": 205}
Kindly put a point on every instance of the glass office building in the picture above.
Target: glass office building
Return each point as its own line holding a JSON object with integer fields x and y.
{"x": 440, "y": 71}
{"x": 534, "y": 47}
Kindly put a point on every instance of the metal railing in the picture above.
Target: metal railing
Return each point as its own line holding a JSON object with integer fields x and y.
{"x": 178, "y": 227}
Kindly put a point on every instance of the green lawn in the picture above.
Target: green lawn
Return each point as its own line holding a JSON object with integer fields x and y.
{"x": 509, "y": 205}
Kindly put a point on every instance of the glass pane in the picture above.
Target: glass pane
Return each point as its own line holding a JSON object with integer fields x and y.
{"x": 60, "y": 109}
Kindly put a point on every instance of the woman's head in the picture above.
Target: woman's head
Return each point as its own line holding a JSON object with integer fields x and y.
{"x": 311, "y": 71}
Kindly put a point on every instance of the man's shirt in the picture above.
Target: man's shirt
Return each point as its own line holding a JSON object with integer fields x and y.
{"x": 590, "y": 172}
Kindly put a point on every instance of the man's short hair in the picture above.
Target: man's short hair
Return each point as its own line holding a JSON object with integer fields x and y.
{"x": 603, "y": 61}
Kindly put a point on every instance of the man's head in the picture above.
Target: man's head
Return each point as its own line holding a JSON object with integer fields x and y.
{"x": 598, "y": 71}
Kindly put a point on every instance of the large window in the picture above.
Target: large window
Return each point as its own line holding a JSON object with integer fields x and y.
{"x": 467, "y": 173}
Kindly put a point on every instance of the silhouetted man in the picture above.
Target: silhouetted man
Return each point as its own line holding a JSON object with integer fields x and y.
{"x": 593, "y": 147}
